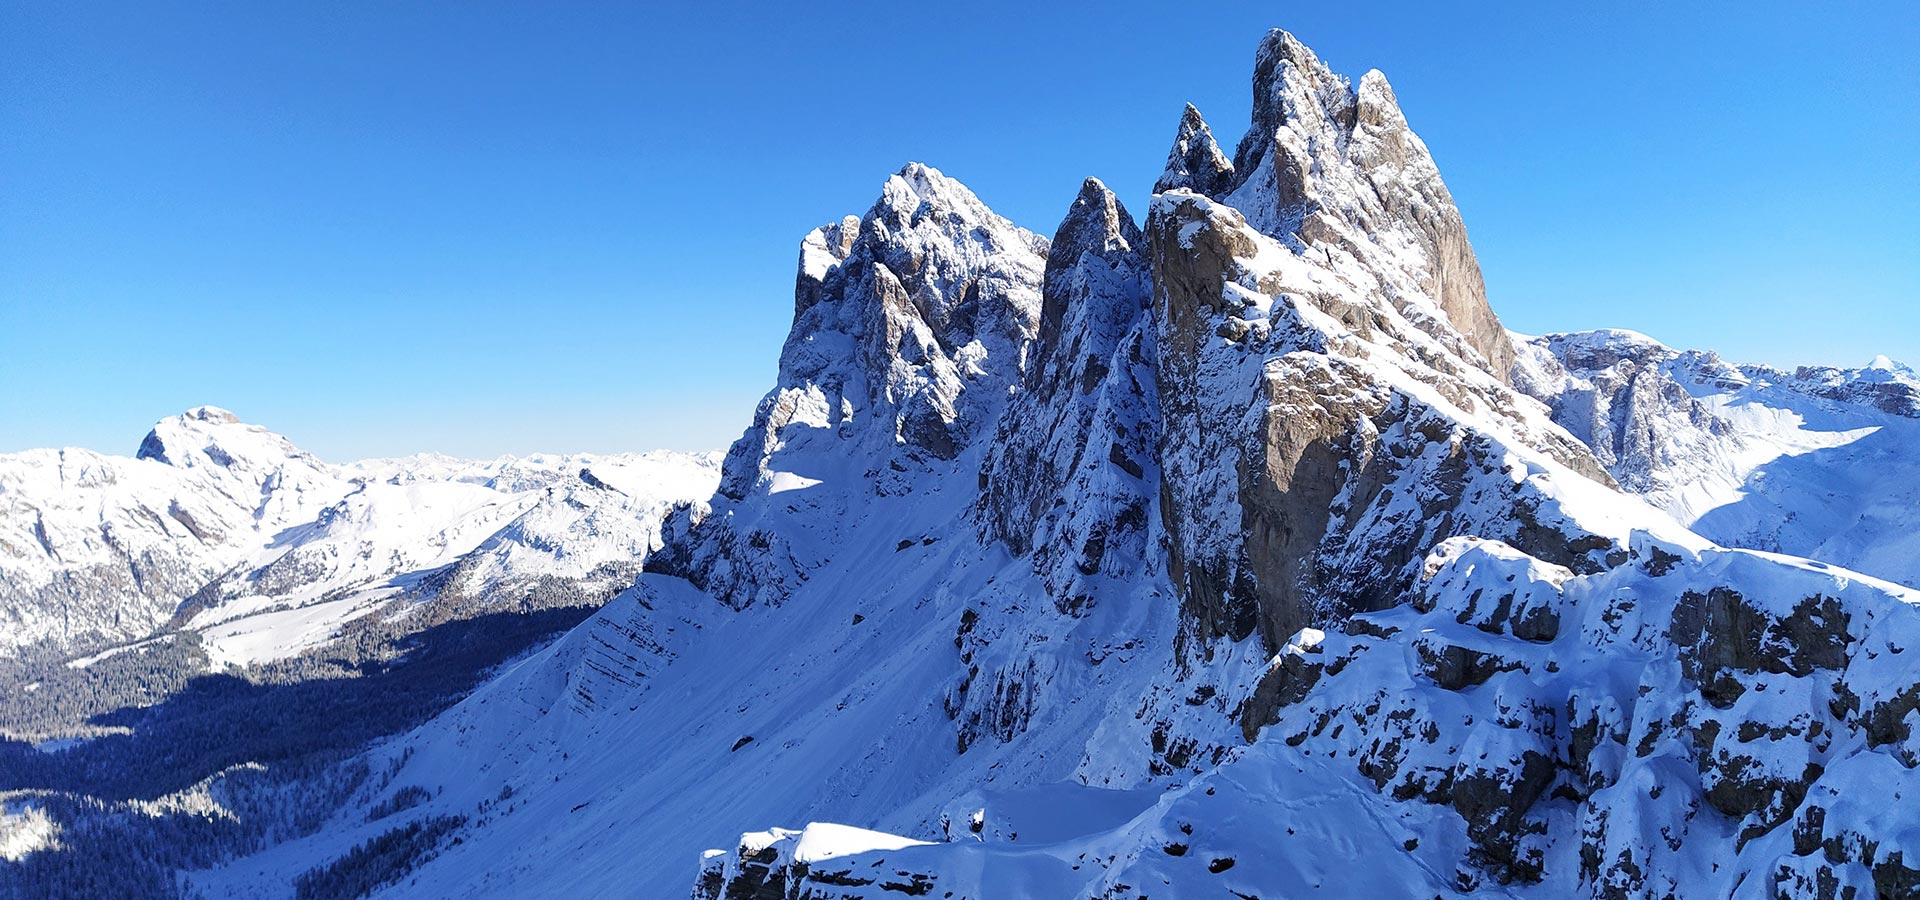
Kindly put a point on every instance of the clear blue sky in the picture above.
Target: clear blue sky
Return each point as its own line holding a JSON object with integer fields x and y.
{"x": 480, "y": 228}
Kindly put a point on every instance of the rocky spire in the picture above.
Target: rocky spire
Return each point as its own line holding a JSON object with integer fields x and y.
{"x": 1068, "y": 473}
{"x": 1195, "y": 162}
{"x": 1284, "y": 386}
{"x": 1098, "y": 225}
{"x": 1335, "y": 170}
{"x": 1289, "y": 84}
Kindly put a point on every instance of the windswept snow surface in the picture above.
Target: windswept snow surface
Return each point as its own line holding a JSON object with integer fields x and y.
{"x": 617, "y": 741}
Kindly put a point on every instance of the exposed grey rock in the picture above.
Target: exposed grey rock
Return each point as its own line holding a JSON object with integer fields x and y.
{"x": 1269, "y": 500}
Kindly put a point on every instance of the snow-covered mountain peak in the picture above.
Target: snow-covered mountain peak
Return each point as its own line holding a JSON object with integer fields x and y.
{"x": 1887, "y": 364}
{"x": 1096, "y": 203}
{"x": 1096, "y": 223}
{"x": 1292, "y": 89}
{"x": 906, "y": 341}
{"x": 957, "y": 261}
{"x": 919, "y": 185}
{"x": 209, "y": 435}
{"x": 258, "y": 470}
{"x": 1882, "y": 370}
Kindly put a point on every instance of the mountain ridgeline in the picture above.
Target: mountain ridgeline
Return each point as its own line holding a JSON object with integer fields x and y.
{"x": 1234, "y": 551}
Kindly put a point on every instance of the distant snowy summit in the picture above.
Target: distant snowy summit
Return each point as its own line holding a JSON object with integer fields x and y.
{"x": 215, "y": 523}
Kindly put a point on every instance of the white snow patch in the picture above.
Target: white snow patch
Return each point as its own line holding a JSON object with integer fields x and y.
{"x": 24, "y": 829}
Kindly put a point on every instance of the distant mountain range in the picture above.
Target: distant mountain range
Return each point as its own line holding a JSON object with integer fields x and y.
{"x": 229, "y": 530}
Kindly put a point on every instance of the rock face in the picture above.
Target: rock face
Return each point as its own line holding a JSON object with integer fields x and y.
{"x": 1277, "y": 509}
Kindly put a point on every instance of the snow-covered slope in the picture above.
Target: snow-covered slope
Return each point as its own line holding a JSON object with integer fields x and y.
{"x": 1210, "y": 557}
{"x": 230, "y": 529}
{"x": 1618, "y": 734}
{"x": 1818, "y": 462}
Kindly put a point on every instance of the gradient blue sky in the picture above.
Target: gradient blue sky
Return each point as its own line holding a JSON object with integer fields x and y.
{"x": 483, "y": 228}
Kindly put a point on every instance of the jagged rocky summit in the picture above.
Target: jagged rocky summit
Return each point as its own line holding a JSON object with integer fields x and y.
{"x": 1235, "y": 552}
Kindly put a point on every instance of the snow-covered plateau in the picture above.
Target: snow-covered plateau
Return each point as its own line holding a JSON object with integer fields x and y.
{"x": 1238, "y": 551}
